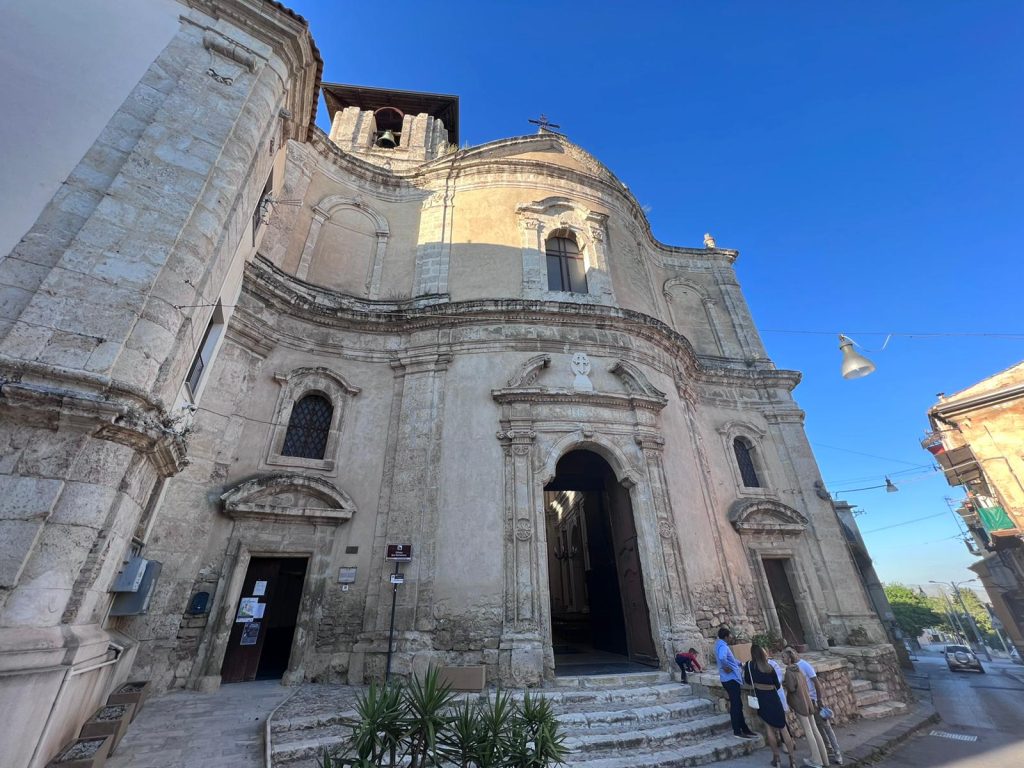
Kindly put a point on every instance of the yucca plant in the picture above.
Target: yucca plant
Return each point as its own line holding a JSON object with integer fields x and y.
{"x": 496, "y": 716}
{"x": 378, "y": 733}
{"x": 426, "y": 703}
{"x": 544, "y": 738}
{"x": 421, "y": 723}
{"x": 462, "y": 739}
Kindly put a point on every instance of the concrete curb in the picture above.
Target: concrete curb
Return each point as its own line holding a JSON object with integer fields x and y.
{"x": 874, "y": 749}
{"x": 268, "y": 744}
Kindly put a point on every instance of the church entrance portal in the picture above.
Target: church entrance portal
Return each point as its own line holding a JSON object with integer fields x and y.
{"x": 264, "y": 623}
{"x": 599, "y": 616}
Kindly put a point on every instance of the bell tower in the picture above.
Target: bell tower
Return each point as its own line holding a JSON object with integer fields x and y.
{"x": 397, "y": 129}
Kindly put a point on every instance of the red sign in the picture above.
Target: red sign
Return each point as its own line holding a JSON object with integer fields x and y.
{"x": 400, "y": 552}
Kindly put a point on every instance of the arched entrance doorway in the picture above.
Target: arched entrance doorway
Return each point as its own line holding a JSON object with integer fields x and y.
{"x": 600, "y": 621}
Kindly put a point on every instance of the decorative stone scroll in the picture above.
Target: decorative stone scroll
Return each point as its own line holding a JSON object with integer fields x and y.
{"x": 635, "y": 381}
{"x": 530, "y": 371}
{"x": 289, "y": 498}
{"x": 766, "y": 516}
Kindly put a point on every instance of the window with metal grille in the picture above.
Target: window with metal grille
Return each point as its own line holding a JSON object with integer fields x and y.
{"x": 308, "y": 428}
{"x": 745, "y": 461}
{"x": 566, "y": 271}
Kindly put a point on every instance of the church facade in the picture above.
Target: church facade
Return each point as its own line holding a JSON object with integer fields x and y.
{"x": 319, "y": 386}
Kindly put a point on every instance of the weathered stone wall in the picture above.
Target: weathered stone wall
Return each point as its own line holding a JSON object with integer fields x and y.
{"x": 880, "y": 665}
{"x": 104, "y": 298}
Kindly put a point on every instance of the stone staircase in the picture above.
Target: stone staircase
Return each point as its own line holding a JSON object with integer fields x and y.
{"x": 642, "y": 720}
{"x": 874, "y": 704}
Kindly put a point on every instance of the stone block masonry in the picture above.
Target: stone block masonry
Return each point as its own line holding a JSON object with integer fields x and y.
{"x": 104, "y": 303}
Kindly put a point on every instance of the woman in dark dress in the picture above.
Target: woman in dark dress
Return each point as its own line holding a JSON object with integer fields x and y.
{"x": 759, "y": 674}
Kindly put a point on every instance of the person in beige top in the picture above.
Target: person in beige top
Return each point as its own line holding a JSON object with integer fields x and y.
{"x": 800, "y": 703}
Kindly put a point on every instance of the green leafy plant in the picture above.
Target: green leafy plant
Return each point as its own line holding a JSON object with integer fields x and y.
{"x": 770, "y": 641}
{"x": 423, "y": 724}
{"x": 426, "y": 703}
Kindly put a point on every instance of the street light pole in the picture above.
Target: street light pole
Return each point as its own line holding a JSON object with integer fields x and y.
{"x": 970, "y": 618}
{"x": 956, "y": 591}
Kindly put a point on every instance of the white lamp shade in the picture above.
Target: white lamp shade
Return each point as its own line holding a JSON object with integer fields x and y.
{"x": 855, "y": 365}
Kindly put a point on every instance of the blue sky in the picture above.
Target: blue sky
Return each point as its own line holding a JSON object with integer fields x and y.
{"x": 865, "y": 158}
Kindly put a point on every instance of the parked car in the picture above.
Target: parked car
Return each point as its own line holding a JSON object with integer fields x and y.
{"x": 961, "y": 657}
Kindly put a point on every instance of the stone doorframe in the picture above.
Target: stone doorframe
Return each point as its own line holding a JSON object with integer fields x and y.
{"x": 771, "y": 529}
{"x": 277, "y": 516}
{"x": 537, "y": 427}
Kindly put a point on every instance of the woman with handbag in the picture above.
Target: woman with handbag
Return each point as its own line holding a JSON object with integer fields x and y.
{"x": 759, "y": 674}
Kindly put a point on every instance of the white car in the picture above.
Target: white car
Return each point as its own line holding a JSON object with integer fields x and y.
{"x": 961, "y": 657}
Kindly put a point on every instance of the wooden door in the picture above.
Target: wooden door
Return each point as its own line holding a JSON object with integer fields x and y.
{"x": 631, "y": 580}
{"x": 785, "y": 603}
{"x": 267, "y": 608}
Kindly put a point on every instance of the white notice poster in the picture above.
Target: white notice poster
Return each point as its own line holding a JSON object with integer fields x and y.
{"x": 258, "y": 610}
{"x": 260, "y": 589}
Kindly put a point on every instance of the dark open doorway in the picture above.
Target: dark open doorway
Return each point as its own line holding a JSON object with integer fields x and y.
{"x": 776, "y": 569}
{"x": 599, "y": 616}
{"x": 261, "y": 637}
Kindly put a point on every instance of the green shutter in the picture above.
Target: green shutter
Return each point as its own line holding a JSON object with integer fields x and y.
{"x": 995, "y": 519}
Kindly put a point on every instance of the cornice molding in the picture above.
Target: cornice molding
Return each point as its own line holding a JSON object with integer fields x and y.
{"x": 95, "y": 405}
{"x": 288, "y": 296}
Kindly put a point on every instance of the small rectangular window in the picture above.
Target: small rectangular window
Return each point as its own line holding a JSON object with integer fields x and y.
{"x": 257, "y": 214}
{"x": 204, "y": 355}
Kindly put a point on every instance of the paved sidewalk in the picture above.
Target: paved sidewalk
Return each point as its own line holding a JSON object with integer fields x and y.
{"x": 862, "y": 742}
{"x": 187, "y": 729}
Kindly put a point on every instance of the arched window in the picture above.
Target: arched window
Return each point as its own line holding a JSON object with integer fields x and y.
{"x": 308, "y": 428}
{"x": 745, "y": 460}
{"x": 566, "y": 271}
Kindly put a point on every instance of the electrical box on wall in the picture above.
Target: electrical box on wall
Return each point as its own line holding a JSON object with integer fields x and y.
{"x": 134, "y": 603}
{"x": 131, "y": 575}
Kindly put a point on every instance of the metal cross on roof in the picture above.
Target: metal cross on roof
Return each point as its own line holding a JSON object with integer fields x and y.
{"x": 543, "y": 124}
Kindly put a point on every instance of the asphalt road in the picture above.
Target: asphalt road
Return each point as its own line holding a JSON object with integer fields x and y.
{"x": 988, "y": 707}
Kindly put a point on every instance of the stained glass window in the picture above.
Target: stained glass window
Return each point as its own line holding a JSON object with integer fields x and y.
{"x": 308, "y": 428}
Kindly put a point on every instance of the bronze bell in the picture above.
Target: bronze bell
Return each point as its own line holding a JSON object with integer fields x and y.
{"x": 387, "y": 140}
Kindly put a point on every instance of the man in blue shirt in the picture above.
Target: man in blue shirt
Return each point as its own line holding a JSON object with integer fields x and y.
{"x": 731, "y": 674}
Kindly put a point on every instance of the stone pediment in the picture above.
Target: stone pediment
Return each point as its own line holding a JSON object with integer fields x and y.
{"x": 766, "y": 516}
{"x": 289, "y": 498}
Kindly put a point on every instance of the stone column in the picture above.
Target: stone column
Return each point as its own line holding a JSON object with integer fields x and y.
{"x": 750, "y": 345}
{"x": 433, "y": 250}
{"x": 682, "y": 627}
{"x": 408, "y": 514}
{"x": 522, "y": 658}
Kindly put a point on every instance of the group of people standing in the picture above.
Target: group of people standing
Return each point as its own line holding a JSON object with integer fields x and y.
{"x": 777, "y": 688}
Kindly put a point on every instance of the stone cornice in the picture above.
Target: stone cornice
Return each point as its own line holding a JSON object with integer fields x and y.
{"x": 291, "y": 297}
{"x": 477, "y": 167}
{"x": 574, "y": 397}
{"x": 94, "y": 405}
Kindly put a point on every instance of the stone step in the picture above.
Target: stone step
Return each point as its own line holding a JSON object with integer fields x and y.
{"x": 885, "y": 709}
{"x": 610, "y": 721}
{"x": 657, "y": 739}
{"x": 290, "y": 747}
{"x": 707, "y": 751}
{"x": 584, "y": 700}
{"x": 624, "y": 680}
{"x": 861, "y": 685}
{"x": 870, "y": 698}
{"x": 309, "y": 722}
